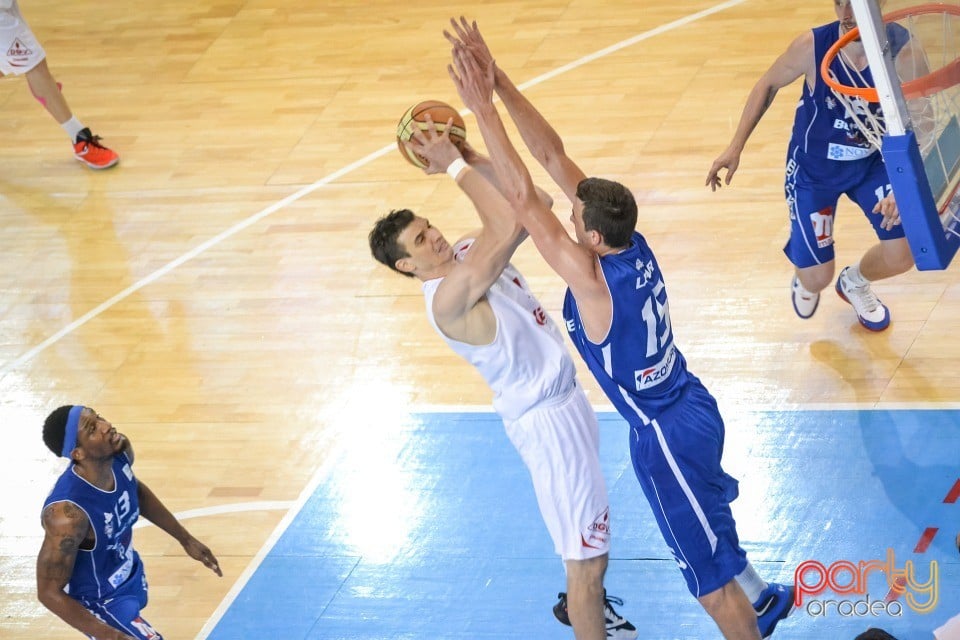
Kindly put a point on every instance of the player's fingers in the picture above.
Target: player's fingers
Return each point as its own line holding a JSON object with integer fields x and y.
{"x": 416, "y": 135}
{"x": 453, "y": 76}
{"x": 414, "y": 149}
{"x": 432, "y": 128}
{"x": 446, "y": 129}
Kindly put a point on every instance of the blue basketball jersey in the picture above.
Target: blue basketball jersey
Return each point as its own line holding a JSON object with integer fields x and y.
{"x": 98, "y": 572}
{"x": 823, "y": 130}
{"x": 637, "y": 365}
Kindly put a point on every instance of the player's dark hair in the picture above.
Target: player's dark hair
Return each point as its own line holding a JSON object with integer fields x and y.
{"x": 383, "y": 238}
{"x": 874, "y": 634}
{"x": 54, "y": 428}
{"x": 609, "y": 209}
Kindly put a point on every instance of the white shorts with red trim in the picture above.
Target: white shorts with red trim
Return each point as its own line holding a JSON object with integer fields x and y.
{"x": 560, "y": 444}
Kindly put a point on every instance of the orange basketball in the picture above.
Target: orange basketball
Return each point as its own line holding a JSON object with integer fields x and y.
{"x": 416, "y": 116}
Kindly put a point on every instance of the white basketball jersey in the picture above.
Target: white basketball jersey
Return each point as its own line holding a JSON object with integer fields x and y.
{"x": 527, "y": 363}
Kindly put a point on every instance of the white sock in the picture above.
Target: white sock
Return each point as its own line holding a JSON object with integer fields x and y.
{"x": 854, "y": 275}
{"x": 803, "y": 290}
{"x": 73, "y": 127}
{"x": 751, "y": 583}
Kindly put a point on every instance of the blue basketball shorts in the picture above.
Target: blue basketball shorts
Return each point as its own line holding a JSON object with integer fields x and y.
{"x": 122, "y": 609}
{"x": 812, "y": 194}
{"x": 677, "y": 461}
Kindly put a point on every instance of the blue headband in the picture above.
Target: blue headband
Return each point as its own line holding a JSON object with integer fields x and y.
{"x": 70, "y": 433}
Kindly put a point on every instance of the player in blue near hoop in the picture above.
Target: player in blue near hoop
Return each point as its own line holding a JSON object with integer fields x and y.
{"x": 87, "y": 571}
{"x": 827, "y": 157}
{"x": 617, "y": 316}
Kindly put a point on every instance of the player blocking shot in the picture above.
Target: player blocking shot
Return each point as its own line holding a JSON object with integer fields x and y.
{"x": 617, "y": 316}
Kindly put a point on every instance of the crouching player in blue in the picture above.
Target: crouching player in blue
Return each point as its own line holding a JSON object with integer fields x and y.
{"x": 87, "y": 571}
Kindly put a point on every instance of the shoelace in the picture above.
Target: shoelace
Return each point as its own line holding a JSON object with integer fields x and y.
{"x": 609, "y": 601}
{"x": 867, "y": 297}
{"x": 93, "y": 141}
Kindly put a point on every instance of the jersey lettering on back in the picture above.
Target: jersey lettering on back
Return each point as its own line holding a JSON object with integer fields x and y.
{"x": 637, "y": 365}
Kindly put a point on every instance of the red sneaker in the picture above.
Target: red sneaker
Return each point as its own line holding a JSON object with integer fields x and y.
{"x": 88, "y": 150}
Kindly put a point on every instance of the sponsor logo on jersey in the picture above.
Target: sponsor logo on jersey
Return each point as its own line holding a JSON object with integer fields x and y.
{"x": 108, "y": 524}
{"x": 652, "y": 376}
{"x": 845, "y": 152}
{"x": 571, "y": 325}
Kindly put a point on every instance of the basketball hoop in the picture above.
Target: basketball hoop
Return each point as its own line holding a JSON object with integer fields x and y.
{"x": 926, "y": 95}
{"x": 934, "y": 82}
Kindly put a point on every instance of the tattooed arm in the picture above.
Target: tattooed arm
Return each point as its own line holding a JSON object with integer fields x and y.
{"x": 66, "y": 527}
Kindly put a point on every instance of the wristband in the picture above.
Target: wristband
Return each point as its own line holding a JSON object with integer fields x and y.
{"x": 456, "y": 168}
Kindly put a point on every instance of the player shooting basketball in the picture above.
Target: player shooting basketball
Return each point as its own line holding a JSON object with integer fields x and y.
{"x": 483, "y": 309}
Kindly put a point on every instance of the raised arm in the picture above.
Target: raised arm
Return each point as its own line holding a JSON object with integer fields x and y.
{"x": 65, "y": 528}
{"x": 541, "y": 139}
{"x": 482, "y": 164}
{"x": 798, "y": 60}
{"x": 156, "y": 512}
{"x": 455, "y": 303}
{"x": 575, "y": 264}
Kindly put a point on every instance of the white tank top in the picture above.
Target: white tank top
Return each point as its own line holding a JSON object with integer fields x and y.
{"x": 527, "y": 363}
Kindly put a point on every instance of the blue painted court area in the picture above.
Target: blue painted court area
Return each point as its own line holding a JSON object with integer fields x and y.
{"x": 427, "y": 528}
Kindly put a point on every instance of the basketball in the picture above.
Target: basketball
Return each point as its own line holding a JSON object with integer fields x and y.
{"x": 416, "y": 116}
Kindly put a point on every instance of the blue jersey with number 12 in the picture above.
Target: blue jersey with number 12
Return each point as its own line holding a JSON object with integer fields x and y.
{"x": 637, "y": 365}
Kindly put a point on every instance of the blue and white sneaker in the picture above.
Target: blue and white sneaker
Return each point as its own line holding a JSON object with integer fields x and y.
{"x": 872, "y": 313}
{"x": 774, "y": 604}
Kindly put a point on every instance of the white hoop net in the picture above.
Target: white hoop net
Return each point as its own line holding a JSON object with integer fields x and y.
{"x": 934, "y": 118}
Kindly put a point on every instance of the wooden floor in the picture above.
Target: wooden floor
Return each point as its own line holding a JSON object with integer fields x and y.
{"x": 214, "y": 295}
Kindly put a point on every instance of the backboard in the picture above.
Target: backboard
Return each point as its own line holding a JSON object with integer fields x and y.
{"x": 921, "y": 141}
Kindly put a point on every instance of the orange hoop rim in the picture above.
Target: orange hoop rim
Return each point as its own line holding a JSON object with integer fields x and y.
{"x": 938, "y": 80}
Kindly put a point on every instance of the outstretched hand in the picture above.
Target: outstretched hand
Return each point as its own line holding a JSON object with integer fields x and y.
{"x": 199, "y": 551}
{"x": 468, "y": 35}
{"x": 473, "y": 80}
{"x": 729, "y": 160}
{"x": 436, "y": 148}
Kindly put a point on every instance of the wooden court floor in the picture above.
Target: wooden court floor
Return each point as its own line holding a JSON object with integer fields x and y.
{"x": 214, "y": 297}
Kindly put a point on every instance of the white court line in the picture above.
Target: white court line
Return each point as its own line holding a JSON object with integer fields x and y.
{"x": 257, "y": 560}
{"x": 234, "y": 507}
{"x": 257, "y": 217}
{"x": 189, "y": 255}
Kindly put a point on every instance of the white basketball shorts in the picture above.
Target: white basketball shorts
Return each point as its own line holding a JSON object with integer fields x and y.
{"x": 19, "y": 50}
{"x": 560, "y": 444}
